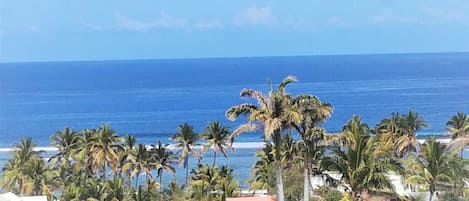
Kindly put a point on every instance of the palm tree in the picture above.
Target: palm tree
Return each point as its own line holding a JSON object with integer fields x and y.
{"x": 142, "y": 163}
{"x": 66, "y": 142}
{"x": 41, "y": 179}
{"x": 408, "y": 141}
{"x": 174, "y": 192}
{"x": 12, "y": 178}
{"x": 15, "y": 173}
{"x": 263, "y": 169}
{"x": 82, "y": 155}
{"x": 103, "y": 149}
{"x": 361, "y": 167}
{"x": 186, "y": 138}
{"x": 217, "y": 139}
{"x": 272, "y": 114}
{"x": 227, "y": 183}
{"x": 313, "y": 113}
{"x": 164, "y": 159}
{"x": 458, "y": 128}
{"x": 127, "y": 156}
{"x": 388, "y": 131}
{"x": 115, "y": 189}
{"x": 398, "y": 133}
{"x": 431, "y": 168}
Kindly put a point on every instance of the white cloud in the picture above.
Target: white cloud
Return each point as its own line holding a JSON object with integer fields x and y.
{"x": 390, "y": 17}
{"x": 208, "y": 24}
{"x": 254, "y": 15}
{"x": 162, "y": 21}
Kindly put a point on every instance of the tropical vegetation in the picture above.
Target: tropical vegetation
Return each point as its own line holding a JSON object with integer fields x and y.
{"x": 354, "y": 163}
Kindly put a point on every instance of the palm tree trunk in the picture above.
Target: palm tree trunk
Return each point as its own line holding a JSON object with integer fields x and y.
{"x": 161, "y": 186}
{"x": 136, "y": 180}
{"x": 306, "y": 191}
{"x": 278, "y": 167}
{"x": 432, "y": 190}
{"x": 161, "y": 180}
{"x": 104, "y": 170}
{"x": 187, "y": 171}
{"x": 147, "y": 180}
{"x": 214, "y": 157}
{"x": 279, "y": 181}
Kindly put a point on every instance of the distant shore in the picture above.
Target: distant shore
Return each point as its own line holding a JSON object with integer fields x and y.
{"x": 236, "y": 145}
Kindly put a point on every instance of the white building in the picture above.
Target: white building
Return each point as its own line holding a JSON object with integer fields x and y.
{"x": 12, "y": 197}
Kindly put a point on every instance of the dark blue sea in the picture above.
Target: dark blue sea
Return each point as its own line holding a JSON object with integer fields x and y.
{"x": 150, "y": 98}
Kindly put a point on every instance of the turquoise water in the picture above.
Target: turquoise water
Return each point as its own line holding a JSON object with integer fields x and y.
{"x": 150, "y": 98}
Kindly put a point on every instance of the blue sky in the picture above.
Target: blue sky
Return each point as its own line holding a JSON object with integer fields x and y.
{"x": 38, "y": 30}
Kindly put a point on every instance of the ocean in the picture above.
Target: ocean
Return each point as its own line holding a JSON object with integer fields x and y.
{"x": 150, "y": 98}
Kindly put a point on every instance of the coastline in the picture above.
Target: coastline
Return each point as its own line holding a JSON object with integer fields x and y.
{"x": 236, "y": 145}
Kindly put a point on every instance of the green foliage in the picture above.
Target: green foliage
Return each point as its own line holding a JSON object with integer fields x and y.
{"x": 398, "y": 132}
{"x": 452, "y": 196}
{"x": 361, "y": 165}
{"x": 174, "y": 192}
{"x": 436, "y": 168}
{"x": 27, "y": 173}
{"x": 292, "y": 178}
{"x": 212, "y": 183}
{"x": 329, "y": 194}
{"x": 217, "y": 139}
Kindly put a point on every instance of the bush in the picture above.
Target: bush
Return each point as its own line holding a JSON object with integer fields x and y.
{"x": 329, "y": 194}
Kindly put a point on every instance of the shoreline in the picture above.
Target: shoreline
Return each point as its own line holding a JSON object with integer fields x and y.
{"x": 236, "y": 145}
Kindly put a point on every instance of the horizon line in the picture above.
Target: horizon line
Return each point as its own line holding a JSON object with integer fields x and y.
{"x": 234, "y": 57}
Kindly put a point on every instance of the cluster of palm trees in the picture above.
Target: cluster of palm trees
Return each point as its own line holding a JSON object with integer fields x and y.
{"x": 98, "y": 164}
{"x": 363, "y": 156}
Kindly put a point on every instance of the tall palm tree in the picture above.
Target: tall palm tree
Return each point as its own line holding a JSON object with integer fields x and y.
{"x": 82, "y": 155}
{"x": 361, "y": 168}
{"x": 186, "y": 138}
{"x": 164, "y": 160}
{"x": 389, "y": 130}
{"x": 413, "y": 122}
{"x": 217, "y": 139}
{"x": 15, "y": 174}
{"x": 313, "y": 112}
{"x": 398, "y": 133}
{"x": 142, "y": 163}
{"x": 127, "y": 157}
{"x": 66, "y": 142}
{"x": 103, "y": 148}
{"x": 432, "y": 167}
{"x": 41, "y": 179}
{"x": 272, "y": 114}
{"x": 458, "y": 129}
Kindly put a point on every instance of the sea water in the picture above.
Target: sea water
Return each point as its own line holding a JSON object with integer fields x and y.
{"x": 150, "y": 98}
